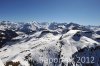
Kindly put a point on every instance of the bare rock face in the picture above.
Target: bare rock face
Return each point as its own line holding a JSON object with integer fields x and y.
{"x": 12, "y": 63}
{"x": 98, "y": 32}
{"x": 6, "y": 36}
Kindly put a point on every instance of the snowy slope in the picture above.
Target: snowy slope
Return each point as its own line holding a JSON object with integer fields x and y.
{"x": 50, "y": 47}
{"x": 1, "y": 63}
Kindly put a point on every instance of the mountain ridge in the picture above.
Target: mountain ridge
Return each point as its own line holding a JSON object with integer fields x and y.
{"x": 36, "y": 44}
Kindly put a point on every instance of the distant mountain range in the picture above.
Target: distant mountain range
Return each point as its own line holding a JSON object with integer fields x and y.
{"x": 49, "y": 44}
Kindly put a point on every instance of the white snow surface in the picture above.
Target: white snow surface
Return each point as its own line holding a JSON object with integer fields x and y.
{"x": 41, "y": 50}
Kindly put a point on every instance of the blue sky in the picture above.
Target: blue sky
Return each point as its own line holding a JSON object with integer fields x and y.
{"x": 79, "y": 11}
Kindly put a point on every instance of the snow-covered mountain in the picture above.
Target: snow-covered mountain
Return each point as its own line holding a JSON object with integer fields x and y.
{"x": 49, "y": 44}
